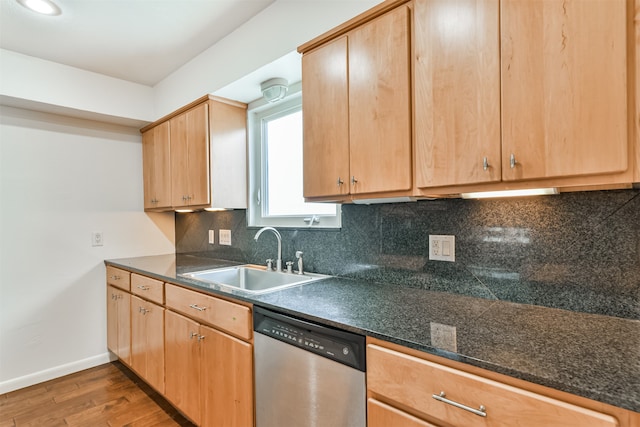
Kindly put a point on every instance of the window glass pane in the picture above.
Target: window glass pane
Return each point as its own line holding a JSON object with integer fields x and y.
{"x": 283, "y": 147}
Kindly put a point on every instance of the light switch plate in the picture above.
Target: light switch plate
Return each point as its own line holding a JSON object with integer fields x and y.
{"x": 442, "y": 248}
{"x": 224, "y": 237}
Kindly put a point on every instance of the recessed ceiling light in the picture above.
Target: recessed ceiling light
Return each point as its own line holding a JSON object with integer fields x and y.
{"x": 45, "y": 7}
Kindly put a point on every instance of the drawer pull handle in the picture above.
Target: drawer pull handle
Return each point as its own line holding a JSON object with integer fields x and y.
{"x": 142, "y": 287}
{"x": 441, "y": 397}
{"x": 114, "y": 277}
{"x": 195, "y": 307}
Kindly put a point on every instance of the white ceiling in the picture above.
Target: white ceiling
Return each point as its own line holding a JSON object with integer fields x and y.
{"x": 141, "y": 41}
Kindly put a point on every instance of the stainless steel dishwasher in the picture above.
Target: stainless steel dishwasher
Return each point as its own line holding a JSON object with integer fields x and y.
{"x": 307, "y": 375}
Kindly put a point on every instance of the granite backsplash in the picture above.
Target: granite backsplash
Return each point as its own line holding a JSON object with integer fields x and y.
{"x": 576, "y": 251}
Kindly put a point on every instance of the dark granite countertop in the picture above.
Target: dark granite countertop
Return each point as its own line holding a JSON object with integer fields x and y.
{"x": 589, "y": 355}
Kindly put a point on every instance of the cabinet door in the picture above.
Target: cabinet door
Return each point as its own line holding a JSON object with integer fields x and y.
{"x": 382, "y": 415}
{"x": 198, "y": 153}
{"x": 227, "y": 386}
{"x": 564, "y": 86}
{"x": 457, "y": 92}
{"x": 190, "y": 157}
{"x": 182, "y": 364}
{"x": 380, "y": 104}
{"x": 325, "y": 108}
{"x": 156, "y": 167}
{"x": 119, "y": 323}
{"x": 147, "y": 341}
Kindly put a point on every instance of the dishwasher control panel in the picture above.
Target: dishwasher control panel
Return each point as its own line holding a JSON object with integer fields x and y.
{"x": 342, "y": 346}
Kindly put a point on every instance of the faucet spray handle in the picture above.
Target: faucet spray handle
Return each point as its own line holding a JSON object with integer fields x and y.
{"x": 299, "y": 257}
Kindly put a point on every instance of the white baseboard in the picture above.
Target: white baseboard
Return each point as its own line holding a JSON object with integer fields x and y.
{"x": 55, "y": 372}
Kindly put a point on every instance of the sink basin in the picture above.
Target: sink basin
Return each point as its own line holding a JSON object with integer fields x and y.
{"x": 251, "y": 278}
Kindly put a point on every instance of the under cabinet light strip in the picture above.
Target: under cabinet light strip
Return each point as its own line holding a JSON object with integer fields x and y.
{"x": 510, "y": 193}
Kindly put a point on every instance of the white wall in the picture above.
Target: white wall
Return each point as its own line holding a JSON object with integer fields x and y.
{"x": 60, "y": 179}
{"x": 275, "y": 32}
{"x": 49, "y": 83}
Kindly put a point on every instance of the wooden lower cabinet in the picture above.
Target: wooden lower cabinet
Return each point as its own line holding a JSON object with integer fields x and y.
{"x": 227, "y": 380}
{"x": 119, "y": 323}
{"x": 399, "y": 383}
{"x": 209, "y": 374}
{"x": 147, "y": 341}
{"x": 182, "y": 364}
{"x": 383, "y": 415}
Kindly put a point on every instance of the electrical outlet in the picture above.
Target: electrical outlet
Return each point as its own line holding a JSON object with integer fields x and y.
{"x": 212, "y": 237}
{"x": 444, "y": 337}
{"x": 442, "y": 248}
{"x": 224, "y": 237}
{"x": 97, "y": 239}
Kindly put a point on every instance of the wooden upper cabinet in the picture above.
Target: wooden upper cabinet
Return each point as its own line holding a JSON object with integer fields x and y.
{"x": 357, "y": 110}
{"x": 196, "y": 157}
{"x": 156, "y": 159}
{"x": 190, "y": 157}
{"x": 457, "y": 92}
{"x": 380, "y": 104}
{"x": 564, "y": 88}
{"x": 325, "y": 108}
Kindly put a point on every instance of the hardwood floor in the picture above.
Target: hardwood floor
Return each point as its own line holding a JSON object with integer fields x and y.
{"x": 107, "y": 395}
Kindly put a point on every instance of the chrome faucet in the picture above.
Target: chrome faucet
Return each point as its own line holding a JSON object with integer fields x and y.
{"x": 279, "y": 237}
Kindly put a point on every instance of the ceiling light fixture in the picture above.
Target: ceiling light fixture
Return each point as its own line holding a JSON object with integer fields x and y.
{"x": 45, "y": 7}
{"x": 510, "y": 193}
{"x": 274, "y": 90}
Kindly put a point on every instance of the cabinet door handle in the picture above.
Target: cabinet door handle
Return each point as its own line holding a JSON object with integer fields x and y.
{"x": 353, "y": 180}
{"x": 512, "y": 161}
{"x": 142, "y": 287}
{"x": 196, "y": 307}
{"x": 193, "y": 334}
{"x": 485, "y": 164}
{"x": 441, "y": 397}
{"x": 114, "y": 277}
{"x": 200, "y": 338}
{"x": 340, "y": 181}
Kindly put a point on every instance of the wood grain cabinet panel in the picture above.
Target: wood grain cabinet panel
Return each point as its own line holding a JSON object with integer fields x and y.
{"x": 119, "y": 278}
{"x": 147, "y": 288}
{"x": 182, "y": 364}
{"x": 564, "y": 88}
{"x": 227, "y": 389}
{"x": 383, "y": 415}
{"x": 412, "y": 382}
{"x": 119, "y": 323}
{"x": 457, "y": 92}
{"x": 357, "y": 109}
{"x": 196, "y": 157}
{"x": 156, "y": 167}
{"x": 325, "y": 107}
{"x": 190, "y": 157}
{"x": 380, "y": 104}
{"x": 227, "y": 316}
{"x": 147, "y": 341}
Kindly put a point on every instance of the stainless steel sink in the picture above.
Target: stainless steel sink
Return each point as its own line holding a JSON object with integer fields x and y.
{"x": 251, "y": 278}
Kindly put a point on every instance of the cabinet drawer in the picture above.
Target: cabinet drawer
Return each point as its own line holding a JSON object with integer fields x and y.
{"x": 224, "y": 315}
{"x": 119, "y": 278}
{"x": 414, "y": 382}
{"x": 382, "y": 415}
{"x": 147, "y": 288}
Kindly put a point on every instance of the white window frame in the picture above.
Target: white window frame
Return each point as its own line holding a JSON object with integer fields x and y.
{"x": 256, "y": 217}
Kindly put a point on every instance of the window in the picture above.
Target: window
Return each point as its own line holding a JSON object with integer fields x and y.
{"x": 275, "y": 169}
